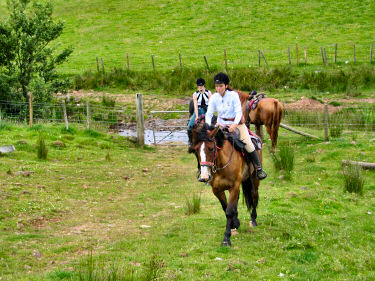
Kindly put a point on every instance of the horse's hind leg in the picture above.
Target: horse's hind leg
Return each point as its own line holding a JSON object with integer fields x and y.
{"x": 269, "y": 131}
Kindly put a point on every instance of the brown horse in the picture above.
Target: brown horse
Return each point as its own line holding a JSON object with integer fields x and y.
{"x": 224, "y": 168}
{"x": 268, "y": 112}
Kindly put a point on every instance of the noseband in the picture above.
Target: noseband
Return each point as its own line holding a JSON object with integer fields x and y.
{"x": 213, "y": 164}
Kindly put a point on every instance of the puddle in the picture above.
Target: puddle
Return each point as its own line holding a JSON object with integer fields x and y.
{"x": 162, "y": 137}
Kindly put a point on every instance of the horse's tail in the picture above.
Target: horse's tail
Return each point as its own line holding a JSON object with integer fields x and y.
{"x": 276, "y": 119}
{"x": 247, "y": 187}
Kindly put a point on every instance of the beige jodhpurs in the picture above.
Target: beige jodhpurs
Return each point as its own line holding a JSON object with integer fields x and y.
{"x": 245, "y": 137}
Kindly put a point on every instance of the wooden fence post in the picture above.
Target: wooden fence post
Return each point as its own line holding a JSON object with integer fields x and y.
{"x": 297, "y": 53}
{"x": 153, "y": 62}
{"x": 325, "y": 56}
{"x": 290, "y": 61}
{"x": 264, "y": 58}
{"x": 140, "y": 120}
{"x": 127, "y": 60}
{"x": 97, "y": 64}
{"x": 335, "y": 52}
{"x": 88, "y": 115}
{"x": 372, "y": 47}
{"x": 326, "y": 123}
{"x": 354, "y": 56}
{"x": 321, "y": 50}
{"x": 102, "y": 65}
{"x": 179, "y": 56}
{"x": 65, "y": 115}
{"x": 305, "y": 53}
{"x": 225, "y": 59}
{"x": 205, "y": 59}
{"x": 259, "y": 58}
{"x": 30, "y": 109}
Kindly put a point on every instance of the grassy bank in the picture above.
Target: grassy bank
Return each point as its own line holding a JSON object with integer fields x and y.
{"x": 98, "y": 193}
{"x": 112, "y": 28}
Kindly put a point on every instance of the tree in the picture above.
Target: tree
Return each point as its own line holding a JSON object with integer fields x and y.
{"x": 27, "y": 61}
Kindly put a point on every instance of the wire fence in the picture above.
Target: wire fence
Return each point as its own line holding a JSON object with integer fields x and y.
{"x": 338, "y": 120}
{"x": 232, "y": 57}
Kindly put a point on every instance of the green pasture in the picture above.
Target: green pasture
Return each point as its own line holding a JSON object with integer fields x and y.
{"x": 110, "y": 29}
{"x": 101, "y": 204}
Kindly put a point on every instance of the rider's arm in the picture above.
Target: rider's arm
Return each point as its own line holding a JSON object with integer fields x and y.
{"x": 210, "y": 110}
{"x": 195, "y": 106}
{"x": 237, "y": 109}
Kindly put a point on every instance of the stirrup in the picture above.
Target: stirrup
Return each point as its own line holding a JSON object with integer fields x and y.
{"x": 261, "y": 174}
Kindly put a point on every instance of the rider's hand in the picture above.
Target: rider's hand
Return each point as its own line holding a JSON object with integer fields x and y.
{"x": 232, "y": 127}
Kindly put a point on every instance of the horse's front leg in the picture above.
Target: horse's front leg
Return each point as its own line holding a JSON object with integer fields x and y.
{"x": 231, "y": 214}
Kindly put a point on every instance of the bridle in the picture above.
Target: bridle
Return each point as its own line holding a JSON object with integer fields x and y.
{"x": 213, "y": 164}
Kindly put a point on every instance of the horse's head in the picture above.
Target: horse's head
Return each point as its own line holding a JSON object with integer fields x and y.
{"x": 205, "y": 143}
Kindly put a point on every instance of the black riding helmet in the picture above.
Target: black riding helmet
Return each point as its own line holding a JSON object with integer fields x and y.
{"x": 201, "y": 82}
{"x": 221, "y": 78}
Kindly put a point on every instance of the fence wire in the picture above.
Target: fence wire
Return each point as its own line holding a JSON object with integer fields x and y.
{"x": 349, "y": 118}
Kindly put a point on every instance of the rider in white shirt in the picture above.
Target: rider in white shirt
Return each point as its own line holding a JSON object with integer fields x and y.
{"x": 226, "y": 103}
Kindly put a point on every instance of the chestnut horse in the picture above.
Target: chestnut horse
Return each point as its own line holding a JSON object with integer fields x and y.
{"x": 224, "y": 168}
{"x": 268, "y": 112}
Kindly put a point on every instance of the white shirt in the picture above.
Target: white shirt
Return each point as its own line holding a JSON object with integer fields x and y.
{"x": 228, "y": 107}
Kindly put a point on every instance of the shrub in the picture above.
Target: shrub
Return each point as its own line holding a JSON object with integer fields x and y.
{"x": 353, "y": 179}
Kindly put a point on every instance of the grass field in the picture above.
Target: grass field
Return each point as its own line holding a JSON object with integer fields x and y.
{"x": 99, "y": 192}
{"x": 112, "y": 28}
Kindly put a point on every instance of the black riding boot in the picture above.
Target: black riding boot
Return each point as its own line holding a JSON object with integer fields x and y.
{"x": 254, "y": 159}
{"x": 190, "y": 143}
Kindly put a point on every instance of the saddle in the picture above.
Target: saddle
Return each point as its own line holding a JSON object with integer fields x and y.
{"x": 240, "y": 145}
{"x": 252, "y": 104}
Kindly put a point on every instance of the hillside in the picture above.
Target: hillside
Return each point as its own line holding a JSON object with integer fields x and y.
{"x": 110, "y": 29}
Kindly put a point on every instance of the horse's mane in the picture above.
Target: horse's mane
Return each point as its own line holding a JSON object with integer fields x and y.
{"x": 202, "y": 135}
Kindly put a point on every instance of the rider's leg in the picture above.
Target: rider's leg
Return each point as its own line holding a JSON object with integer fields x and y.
{"x": 252, "y": 154}
{"x": 190, "y": 133}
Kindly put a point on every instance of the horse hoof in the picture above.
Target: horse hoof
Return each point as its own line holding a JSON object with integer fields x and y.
{"x": 253, "y": 223}
{"x": 226, "y": 243}
{"x": 234, "y": 232}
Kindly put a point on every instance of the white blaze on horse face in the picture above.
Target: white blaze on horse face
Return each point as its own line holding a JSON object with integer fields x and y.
{"x": 205, "y": 171}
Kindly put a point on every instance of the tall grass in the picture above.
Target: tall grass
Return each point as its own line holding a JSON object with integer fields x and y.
{"x": 42, "y": 150}
{"x": 193, "y": 205}
{"x": 283, "y": 159}
{"x": 343, "y": 79}
{"x": 353, "y": 179}
{"x": 93, "y": 270}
